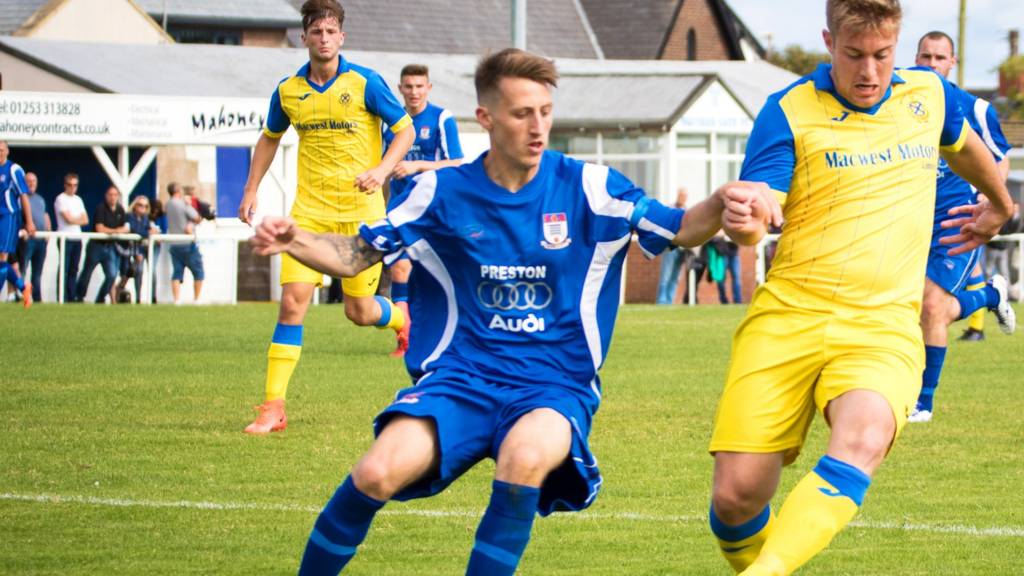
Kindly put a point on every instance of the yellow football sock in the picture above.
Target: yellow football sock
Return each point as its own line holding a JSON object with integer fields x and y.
{"x": 976, "y": 321}
{"x": 281, "y": 361}
{"x": 391, "y": 316}
{"x": 820, "y": 505}
{"x": 740, "y": 545}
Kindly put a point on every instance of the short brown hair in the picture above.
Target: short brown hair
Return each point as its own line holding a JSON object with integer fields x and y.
{"x": 313, "y": 10}
{"x": 860, "y": 15}
{"x": 512, "y": 63}
{"x": 938, "y": 35}
{"x": 69, "y": 176}
{"x": 415, "y": 70}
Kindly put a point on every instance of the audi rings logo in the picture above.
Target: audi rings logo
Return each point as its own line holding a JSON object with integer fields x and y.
{"x": 514, "y": 295}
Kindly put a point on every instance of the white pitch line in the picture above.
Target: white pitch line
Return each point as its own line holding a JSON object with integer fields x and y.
{"x": 997, "y": 531}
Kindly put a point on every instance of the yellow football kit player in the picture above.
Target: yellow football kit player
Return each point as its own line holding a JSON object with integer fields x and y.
{"x": 339, "y": 128}
{"x": 841, "y": 305}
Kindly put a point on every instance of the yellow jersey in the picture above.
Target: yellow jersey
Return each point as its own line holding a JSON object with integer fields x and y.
{"x": 339, "y": 127}
{"x": 858, "y": 186}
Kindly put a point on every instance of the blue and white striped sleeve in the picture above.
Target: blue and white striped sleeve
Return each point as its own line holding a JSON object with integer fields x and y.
{"x": 18, "y": 176}
{"x": 654, "y": 223}
{"x": 450, "y": 147}
{"x": 991, "y": 131}
{"x": 406, "y": 222}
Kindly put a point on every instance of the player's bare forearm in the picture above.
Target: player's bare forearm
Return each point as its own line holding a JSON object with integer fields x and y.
{"x": 975, "y": 164}
{"x": 334, "y": 254}
{"x": 26, "y": 210}
{"x": 701, "y": 222}
{"x": 398, "y": 148}
{"x": 262, "y": 158}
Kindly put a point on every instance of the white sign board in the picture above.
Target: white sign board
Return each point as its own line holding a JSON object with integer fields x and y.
{"x": 115, "y": 120}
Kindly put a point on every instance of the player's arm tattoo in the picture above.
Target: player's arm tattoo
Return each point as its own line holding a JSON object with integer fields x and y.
{"x": 334, "y": 254}
{"x": 354, "y": 253}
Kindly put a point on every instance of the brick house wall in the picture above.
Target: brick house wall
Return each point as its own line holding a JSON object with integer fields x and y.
{"x": 711, "y": 42}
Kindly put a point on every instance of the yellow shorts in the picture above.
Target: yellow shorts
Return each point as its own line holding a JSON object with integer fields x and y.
{"x": 292, "y": 271}
{"x": 787, "y": 361}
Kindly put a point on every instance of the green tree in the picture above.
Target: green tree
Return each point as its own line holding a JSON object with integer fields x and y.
{"x": 798, "y": 60}
{"x": 1012, "y": 70}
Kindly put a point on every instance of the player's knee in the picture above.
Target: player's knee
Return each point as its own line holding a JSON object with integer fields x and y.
{"x": 374, "y": 478}
{"x": 867, "y": 447}
{"x": 736, "y": 502}
{"x": 524, "y": 464}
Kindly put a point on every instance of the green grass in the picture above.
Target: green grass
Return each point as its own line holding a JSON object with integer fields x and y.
{"x": 130, "y": 404}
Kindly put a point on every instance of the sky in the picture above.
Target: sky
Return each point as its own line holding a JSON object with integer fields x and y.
{"x": 988, "y": 21}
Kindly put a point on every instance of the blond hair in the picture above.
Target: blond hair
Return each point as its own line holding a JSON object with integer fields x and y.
{"x": 862, "y": 15}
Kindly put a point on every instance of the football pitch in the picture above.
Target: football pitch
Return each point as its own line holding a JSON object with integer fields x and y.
{"x": 123, "y": 453}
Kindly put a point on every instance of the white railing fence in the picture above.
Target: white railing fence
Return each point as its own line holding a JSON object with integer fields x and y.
{"x": 219, "y": 247}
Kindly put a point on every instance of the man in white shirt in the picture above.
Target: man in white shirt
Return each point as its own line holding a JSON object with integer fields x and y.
{"x": 71, "y": 216}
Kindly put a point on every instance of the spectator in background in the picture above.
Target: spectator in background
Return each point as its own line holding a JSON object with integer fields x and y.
{"x": 71, "y": 216}
{"x": 205, "y": 211}
{"x": 673, "y": 262}
{"x": 132, "y": 262}
{"x": 181, "y": 219}
{"x": 34, "y": 250}
{"x": 723, "y": 260}
{"x": 158, "y": 217}
{"x": 108, "y": 218}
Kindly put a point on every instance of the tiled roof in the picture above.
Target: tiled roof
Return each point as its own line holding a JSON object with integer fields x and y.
{"x": 14, "y": 13}
{"x": 261, "y": 13}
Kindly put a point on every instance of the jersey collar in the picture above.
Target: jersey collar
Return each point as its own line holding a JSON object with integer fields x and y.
{"x": 823, "y": 81}
{"x": 342, "y": 68}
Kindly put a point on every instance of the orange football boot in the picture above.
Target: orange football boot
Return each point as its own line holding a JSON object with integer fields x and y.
{"x": 271, "y": 419}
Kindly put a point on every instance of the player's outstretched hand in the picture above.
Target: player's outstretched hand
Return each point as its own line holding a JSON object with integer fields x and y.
{"x": 371, "y": 180}
{"x": 749, "y": 207}
{"x": 247, "y": 208}
{"x": 978, "y": 223}
{"x": 274, "y": 235}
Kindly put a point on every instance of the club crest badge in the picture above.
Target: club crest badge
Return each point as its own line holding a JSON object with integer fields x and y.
{"x": 424, "y": 132}
{"x": 556, "y": 231}
{"x": 345, "y": 98}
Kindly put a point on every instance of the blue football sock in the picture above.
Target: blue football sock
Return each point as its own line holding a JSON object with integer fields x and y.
{"x": 340, "y": 528}
{"x": 504, "y": 530}
{"x": 399, "y": 291}
{"x": 934, "y": 357}
{"x": 970, "y": 301}
{"x": 991, "y": 296}
{"x": 4, "y": 267}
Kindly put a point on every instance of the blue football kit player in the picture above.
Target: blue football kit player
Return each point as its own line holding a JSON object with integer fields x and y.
{"x": 14, "y": 207}
{"x": 946, "y": 295}
{"x": 436, "y": 146}
{"x": 517, "y": 259}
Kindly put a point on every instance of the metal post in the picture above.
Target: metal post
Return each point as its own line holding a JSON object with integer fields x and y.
{"x": 961, "y": 44}
{"x": 150, "y": 271}
{"x": 519, "y": 24}
{"x": 62, "y": 245}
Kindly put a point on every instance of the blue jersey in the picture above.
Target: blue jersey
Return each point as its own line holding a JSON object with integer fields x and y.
{"x": 437, "y": 138}
{"x": 952, "y": 190}
{"x": 12, "y": 186}
{"x": 519, "y": 288}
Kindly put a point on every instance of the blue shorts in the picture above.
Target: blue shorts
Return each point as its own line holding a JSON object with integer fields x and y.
{"x": 186, "y": 256}
{"x": 951, "y": 272}
{"x": 472, "y": 418}
{"x": 9, "y": 226}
